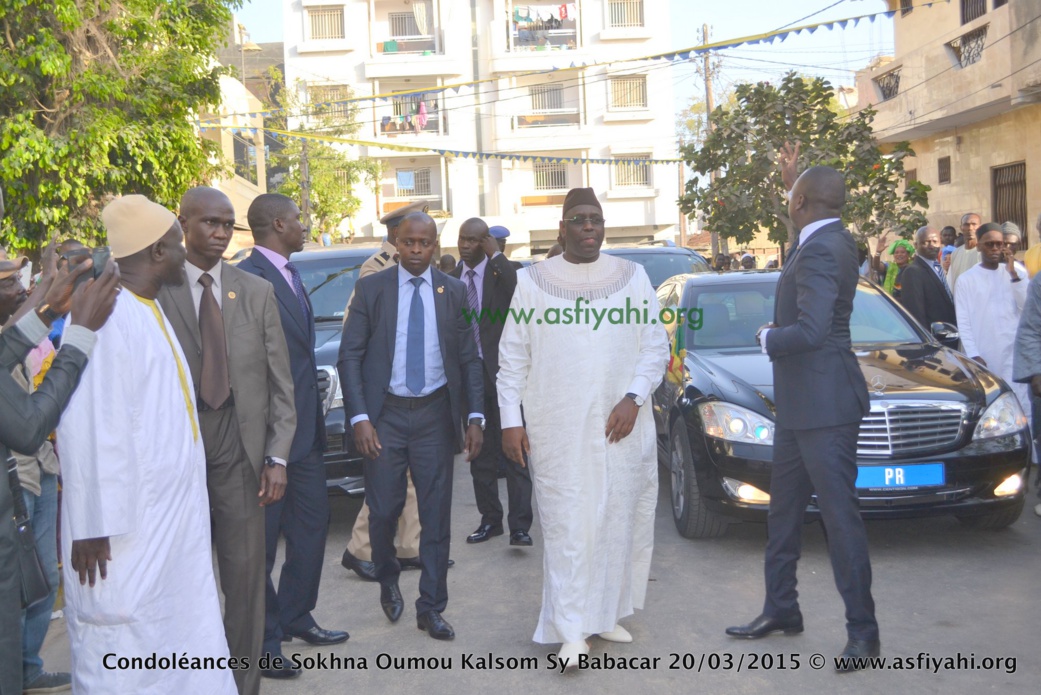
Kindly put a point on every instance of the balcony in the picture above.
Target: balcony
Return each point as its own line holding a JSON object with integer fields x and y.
{"x": 548, "y": 117}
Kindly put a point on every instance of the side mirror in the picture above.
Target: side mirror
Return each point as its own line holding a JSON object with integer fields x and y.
{"x": 943, "y": 331}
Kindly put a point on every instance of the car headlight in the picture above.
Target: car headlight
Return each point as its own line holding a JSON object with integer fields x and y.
{"x": 736, "y": 424}
{"x": 1003, "y": 417}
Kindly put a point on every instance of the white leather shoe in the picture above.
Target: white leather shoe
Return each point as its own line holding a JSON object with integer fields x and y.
{"x": 618, "y": 634}
{"x": 569, "y": 653}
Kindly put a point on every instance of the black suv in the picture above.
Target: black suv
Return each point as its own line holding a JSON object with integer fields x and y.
{"x": 660, "y": 260}
{"x": 329, "y": 275}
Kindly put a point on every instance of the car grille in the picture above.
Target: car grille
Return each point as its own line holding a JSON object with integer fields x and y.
{"x": 334, "y": 442}
{"x": 902, "y": 428}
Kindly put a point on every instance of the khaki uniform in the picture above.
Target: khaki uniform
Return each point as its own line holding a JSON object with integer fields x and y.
{"x": 406, "y": 542}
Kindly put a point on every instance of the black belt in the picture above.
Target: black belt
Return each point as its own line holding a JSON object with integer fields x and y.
{"x": 417, "y": 402}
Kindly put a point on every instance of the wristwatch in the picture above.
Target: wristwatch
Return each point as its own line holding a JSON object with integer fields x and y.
{"x": 270, "y": 462}
{"x": 1017, "y": 279}
{"x": 47, "y": 314}
{"x": 479, "y": 421}
{"x": 636, "y": 399}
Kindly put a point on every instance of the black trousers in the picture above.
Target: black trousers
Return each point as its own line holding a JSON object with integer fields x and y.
{"x": 302, "y": 517}
{"x": 10, "y": 593}
{"x": 485, "y": 472}
{"x": 421, "y": 441}
{"x": 822, "y": 460}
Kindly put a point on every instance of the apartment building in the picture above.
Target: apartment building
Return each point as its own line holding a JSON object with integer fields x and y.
{"x": 526, "y": 101}
{"x": 964, "y": 87}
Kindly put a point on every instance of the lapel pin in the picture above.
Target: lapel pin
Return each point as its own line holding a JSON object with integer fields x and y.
{"x": 440, "y": 289}
{"x": 231, "y": 295}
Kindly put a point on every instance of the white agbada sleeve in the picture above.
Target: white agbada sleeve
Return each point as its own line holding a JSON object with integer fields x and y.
{"x": 96, "y": 439}
{"x": 654, "y": 344}
{"x": 1019, "y": 289}
{"x": 514, "y": 357}
{"x": 963, "y": 309}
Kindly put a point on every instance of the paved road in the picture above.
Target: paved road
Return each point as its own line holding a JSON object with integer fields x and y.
{"x": 941, "y": 590}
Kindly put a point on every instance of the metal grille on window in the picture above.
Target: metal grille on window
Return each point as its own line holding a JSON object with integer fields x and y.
{"x": 1010, "y": 194}
{"x": 633, "y": 174}
{"x": 403, "y": 24}
{"x": 910, "y": 175}
{"x": 550, "y": 176}
{"x": 968, "y": 48}
{"x": 625, "y": 13}
{"x": 629, "y": 92}
{"x": 972, "y": 9}
{"x": 906, "y": 7}
{"x": 546, "y": 97}
{"x": 889, "y": 84}
{"x": 411, "y": 182}
{"x": 326, "y": 22}
{"x": 330, "y": 100}
{"x": 943, "y": 164}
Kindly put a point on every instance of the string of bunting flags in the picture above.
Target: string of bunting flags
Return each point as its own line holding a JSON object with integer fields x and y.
{"x": 462, "y": 154}
{"x": 678, "y": 56}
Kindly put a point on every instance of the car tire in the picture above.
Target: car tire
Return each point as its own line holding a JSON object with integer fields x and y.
{"x": 693, "y": 519}
{"x": 994, "y": 521}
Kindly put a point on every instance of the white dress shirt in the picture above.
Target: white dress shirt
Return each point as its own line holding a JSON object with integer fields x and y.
{"x": 194, "y": 273}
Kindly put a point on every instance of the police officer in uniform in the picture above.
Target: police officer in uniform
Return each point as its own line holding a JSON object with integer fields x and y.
{"x": 358, "y": 554}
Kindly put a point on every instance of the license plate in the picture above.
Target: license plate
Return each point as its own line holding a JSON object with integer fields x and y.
{"x": 911, "y": 475}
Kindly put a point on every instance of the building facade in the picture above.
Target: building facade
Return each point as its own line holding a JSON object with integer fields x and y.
{"x": 514, "y": 106}
{"x": 964, "y": 87}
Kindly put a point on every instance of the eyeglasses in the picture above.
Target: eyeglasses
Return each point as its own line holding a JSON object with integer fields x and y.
{"x": 580, "y": 221}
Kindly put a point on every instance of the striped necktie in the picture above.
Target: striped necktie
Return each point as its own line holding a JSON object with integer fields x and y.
{"x": 943, "y": 278}
{"x": 475, "y": 305}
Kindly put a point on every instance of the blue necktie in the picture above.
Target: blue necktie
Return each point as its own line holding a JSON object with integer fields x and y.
{"x": 943, "y": 278}
{"x": 298, "y": 289}
{"x": 415, "y": 369}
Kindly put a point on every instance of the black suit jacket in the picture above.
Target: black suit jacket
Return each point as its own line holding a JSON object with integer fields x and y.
{"x": 923, "y": 294}
{"x": 368, "y": 342}
{"x": 817, "y": 379}
{"x": 299, "y": 330}
{"x": 500, "y": 280}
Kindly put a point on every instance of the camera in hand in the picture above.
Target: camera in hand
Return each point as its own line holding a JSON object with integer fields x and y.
{"x": 100, "y": 256}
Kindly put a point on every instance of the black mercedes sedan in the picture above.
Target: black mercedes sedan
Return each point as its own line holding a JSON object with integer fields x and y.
{"x": 944, "y": 435}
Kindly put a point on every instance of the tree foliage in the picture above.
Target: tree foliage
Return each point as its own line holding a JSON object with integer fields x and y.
{"x": 748, "y": 194}
{"x": 332, "y": 174}
{"x": 97, "y": 98}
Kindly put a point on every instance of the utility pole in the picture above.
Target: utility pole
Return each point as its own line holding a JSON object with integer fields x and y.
{"x": 683, "y": 215}
{"x": 718, "y": 245}
{"x": 305, "y": 186}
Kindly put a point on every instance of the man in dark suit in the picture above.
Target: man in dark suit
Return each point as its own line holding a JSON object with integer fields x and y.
{"x": 409, "y": 366}
{"x": 302, "y": 516}
{"x": 815, "y": 447}
{"x": 924, "y": 291}
{"x": 227, "y": 324}
{"x": 490, "y": 280}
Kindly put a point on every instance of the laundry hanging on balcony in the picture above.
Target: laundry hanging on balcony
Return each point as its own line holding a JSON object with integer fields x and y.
{"x": 421, "y": 116}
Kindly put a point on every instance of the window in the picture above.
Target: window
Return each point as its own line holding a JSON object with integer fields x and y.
{"x": 1009, "y": 184}
{"x": 628, "y": 92}
{"x": 910, "y": 175}
{"x": 411, "y": 182}
{"x": 546, "y": 97}
{"x": 944, "y": 166}
{"x": 550, "y": 176}
{"x": 403, "y": 24}
{"x": 906, "y": 7}
{"x": 326, "y": 22}
{"x": 330, "y": 100}
{"x": 972, "y": 9}
{"x": 889, "y": 84}
{"x": 1000, "y": 3}
{"x": 625, "y": 13}
{"x": 968, "y": 48}
{"x": 633, "y": 174}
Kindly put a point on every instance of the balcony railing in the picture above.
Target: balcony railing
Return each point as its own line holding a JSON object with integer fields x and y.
{"x": 548, "y": 117}
{"x": 625, "y": 13}
{"x": 544, "y": 40}
{"x": 889, "y": 84}
{"x": 968, "y": 48}
{"x": 395, "y": 126}
{"x": 419, "y": 44}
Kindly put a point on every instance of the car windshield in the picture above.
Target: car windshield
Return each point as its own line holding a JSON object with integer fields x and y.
{"x": 730, "y": 314}
{"x": 329, "y": 282}
{"x": 662, "y": 266}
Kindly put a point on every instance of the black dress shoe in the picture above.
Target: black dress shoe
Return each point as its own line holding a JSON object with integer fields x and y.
{"x": 520, "y": 538}
{"x": 765, "y": 624}
{"x": 436, "y": 626}
{"x": 317, "y": 635}
{"x": 484, "y": 532}
{"x": 287, "y": 671}
{"x": 390, "y": 599}
{"x": 363, "y": 568}
{"x": 413, "y": 563}
{"x": 856, "y": 654}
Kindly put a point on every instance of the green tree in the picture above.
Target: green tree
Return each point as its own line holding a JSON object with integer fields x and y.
{"x": 98, "y": 98}
{"x": 747, "y": 193}
{"x": 332, "y": 174}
